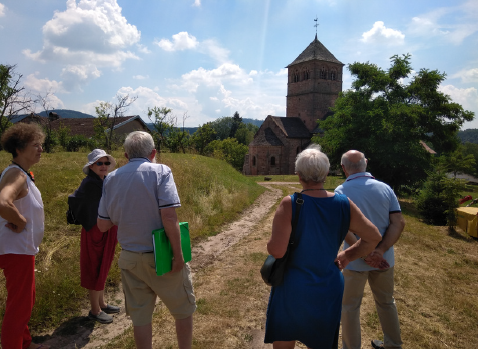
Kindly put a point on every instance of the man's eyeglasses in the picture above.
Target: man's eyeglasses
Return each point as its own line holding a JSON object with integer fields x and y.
{"x": 100, "y": 163}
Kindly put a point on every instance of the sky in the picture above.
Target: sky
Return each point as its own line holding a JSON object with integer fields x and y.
{"x": 206, "y": 59}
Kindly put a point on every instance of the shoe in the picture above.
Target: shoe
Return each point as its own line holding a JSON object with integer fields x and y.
{"x": 102, "y": 317}
{"x": 377, "y": 344}
{"x": 111, "y": 309}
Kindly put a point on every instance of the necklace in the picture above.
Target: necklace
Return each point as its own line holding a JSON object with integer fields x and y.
{"x": 29, "y": 174}
{"x": 311, "y": 189}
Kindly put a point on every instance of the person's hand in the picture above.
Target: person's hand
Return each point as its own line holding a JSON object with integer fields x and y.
{"x": 341, "y": 261}
{"x": 178, "y": 264}
{"x": 375, "y": 260}
{"x": 15, "y": 228}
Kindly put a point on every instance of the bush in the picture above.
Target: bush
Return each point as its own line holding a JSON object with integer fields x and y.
{"x": 76, "y": 142}
{"x": 437, "y": 200}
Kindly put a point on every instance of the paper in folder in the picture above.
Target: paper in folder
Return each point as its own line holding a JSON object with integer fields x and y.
{"x": 163, "y": 253}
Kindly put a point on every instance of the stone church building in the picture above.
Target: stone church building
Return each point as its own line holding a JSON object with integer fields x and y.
{"x": 314, "y": 83}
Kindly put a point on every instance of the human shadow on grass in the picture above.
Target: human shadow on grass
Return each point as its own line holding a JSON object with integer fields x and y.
{"x": 74, "y": 332}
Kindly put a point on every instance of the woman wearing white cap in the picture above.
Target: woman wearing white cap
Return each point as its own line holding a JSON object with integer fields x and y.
{"x": 97, "y": 248}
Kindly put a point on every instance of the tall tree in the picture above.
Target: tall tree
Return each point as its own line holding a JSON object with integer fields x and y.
{"x": 13, "y": 98}
{"x": 107, "y": 118}
{"x": 386, "y": 118}
{"x": 222, "y": 127}
{"x": 204, "y": 135}
{"x": 236, "y": 123}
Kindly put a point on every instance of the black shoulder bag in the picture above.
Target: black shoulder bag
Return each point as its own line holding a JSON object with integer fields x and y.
{"x": 273, "y": 270}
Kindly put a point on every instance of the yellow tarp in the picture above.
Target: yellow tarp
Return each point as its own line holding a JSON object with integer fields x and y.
{"x": 468, "y": 220}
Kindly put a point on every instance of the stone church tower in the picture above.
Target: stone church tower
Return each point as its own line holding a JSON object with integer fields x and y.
{"x": 314, "y": 83}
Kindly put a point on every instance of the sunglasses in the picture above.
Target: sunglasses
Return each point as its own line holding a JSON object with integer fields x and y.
{"x": 100, "y": 163}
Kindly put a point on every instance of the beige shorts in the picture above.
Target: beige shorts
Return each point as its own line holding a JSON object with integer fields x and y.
{"x": 141, "y": 285}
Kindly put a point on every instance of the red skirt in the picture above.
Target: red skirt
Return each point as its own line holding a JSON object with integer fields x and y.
{"x": 96, "y": 255}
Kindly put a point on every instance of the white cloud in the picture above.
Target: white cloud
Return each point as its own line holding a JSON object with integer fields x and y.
{"x": 440, "y": 23}
{"x": 181, "y": 41}
{"x": 379, "y": 34}
{"x": 140, "y": 77}
{"x": 215, "y": 77}
{"x": 74, "y": 76}
{"x": 142, "y": 48}
{"x": 466, "y": 97}
{"x": 2, "y": 10}
{"x": 90, "y": 33}
{"x": 467, "y": 75}
{"x": 185, "y": 41}
{"x": 43, "y": 85}
{"x": 197, "y": 3}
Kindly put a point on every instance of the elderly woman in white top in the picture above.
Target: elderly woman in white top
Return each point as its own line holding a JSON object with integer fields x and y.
{"x": 21, "y": 231}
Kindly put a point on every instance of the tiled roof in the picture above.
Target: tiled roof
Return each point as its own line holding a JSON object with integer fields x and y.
{"x": 80, "y": 126}
{"x": 315, "y": 51}
{"x": 292, "y": 127}
{"x": 266, "y": 138}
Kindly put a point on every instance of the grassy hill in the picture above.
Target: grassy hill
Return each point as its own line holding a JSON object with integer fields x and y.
{"x": 211, "y": 193}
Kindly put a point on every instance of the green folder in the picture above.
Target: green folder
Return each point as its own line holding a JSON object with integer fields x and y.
{"x": 163, "y": 253}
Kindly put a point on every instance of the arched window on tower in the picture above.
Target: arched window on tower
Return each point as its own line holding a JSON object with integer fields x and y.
{"x": 323, "y": 73}
{"x": 306, "y": 74}
{"x": 273, "y": 161}
{"x": 333, "y": 75}
{"x": 296, "y": 77}
{"x": 253, "y": 161}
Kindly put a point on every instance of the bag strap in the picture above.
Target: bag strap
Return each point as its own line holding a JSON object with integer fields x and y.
{"x": 299, "y": 202}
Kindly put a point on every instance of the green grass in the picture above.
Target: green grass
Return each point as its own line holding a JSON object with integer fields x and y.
{"x": 211, "y": 192}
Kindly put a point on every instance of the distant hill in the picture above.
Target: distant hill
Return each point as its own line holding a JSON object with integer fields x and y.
{"x": 256, "y": 122}
{"x": 470, "y": 135}
{"x": 64, "y": 113}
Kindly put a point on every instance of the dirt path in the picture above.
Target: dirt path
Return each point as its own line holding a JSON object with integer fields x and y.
{"x": 80, "y": 332}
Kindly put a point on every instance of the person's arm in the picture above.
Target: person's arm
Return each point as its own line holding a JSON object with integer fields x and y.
{"x": 103, "y": 224}
{"x": 13, "y": 187}
{"x": 171, "y": 227}
{"x": 368, "y": 233}
{"x": 390, "y": 237}
{"x": 281, "y": 229}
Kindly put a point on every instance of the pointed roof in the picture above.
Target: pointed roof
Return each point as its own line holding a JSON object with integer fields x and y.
{"x": 315, "y": 51}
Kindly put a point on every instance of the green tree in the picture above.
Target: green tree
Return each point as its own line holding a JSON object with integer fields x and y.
{"x": 229, "y": 150}
{"x": 245, "y": 133}
{"x": 438, "y": 199}
{"x": 236, "y": 123}
{"x": 13, "y": 98}
{"x": 204, "y": 135}
{"x": 178, "y": 138}
{"x": 222, "y": 127}
{"x": 386, "y": 118}
{"x": 458, "y": 162}
{"x": 162, "y": 123}
{"x": 471, "y": 149}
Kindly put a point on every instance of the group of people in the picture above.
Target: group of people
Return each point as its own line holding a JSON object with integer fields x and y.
{"x": 322, "y": 287}
{"x": 123, "y": 206}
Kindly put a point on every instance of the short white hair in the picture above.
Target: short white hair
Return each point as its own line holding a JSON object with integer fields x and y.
{"x": 312, "y": 165}
{"x": 354, "y": 167}
{"x": 138, "y": 144}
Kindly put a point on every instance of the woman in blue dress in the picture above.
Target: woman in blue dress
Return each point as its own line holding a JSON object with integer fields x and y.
{"x": 307, "y": 305}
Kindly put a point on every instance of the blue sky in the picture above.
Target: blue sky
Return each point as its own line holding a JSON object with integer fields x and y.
{"x": 209, "y": 58}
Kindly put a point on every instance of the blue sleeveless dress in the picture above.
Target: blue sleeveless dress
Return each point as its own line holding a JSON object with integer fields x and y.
{"x": 307, "y": 306}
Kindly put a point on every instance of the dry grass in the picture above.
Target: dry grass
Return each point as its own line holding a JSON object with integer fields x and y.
{"x": 211, "y": 193}
{"x": 436, "y": 278}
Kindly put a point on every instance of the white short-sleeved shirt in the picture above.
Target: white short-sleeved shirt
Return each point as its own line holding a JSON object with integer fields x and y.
{"x": 377, "y": 201}
{"x": 132, "y": 197}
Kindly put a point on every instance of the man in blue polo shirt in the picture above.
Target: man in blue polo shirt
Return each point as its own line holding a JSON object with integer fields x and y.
{"x": 140, "y": 197}
{"x": 378, "y": 203}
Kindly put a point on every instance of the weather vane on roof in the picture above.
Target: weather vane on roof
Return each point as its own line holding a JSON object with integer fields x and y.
{"x": 316, "y": 24}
